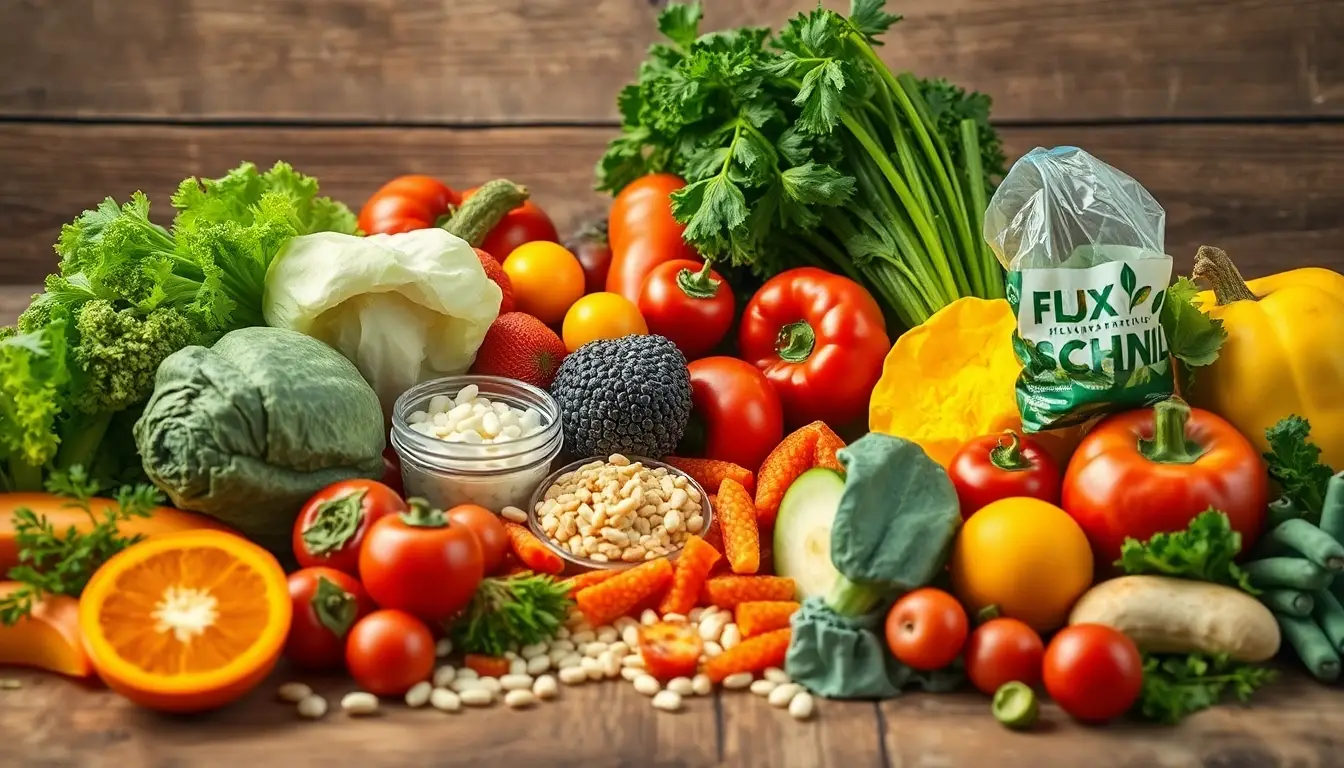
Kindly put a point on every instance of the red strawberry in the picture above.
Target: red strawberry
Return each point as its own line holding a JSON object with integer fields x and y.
{"x": 497, "y": 274}
{"x": 521, "y": 347}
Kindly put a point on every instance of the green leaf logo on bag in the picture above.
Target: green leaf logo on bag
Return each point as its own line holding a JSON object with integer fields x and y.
{"x": 1089, "y": 339}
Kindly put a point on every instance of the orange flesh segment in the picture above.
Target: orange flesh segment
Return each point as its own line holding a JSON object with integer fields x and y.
{"x": 185, "y": 611}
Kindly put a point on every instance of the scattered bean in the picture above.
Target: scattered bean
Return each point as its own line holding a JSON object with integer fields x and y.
{"x": 783, "y": 694}
{"x": 607, "y": 635}
{"x": 711, "y": 627}
{"x": 444, "y": 676}
{"x": 477, "y": 697}
{"x": 682, "y": 686}
{"x": 445, "y": 700}
{"x": 519, "y": 699}
{"x": 594, "y": 649}
{"x": 443, "y": 648}
{"x": 631, "y": 673}
{"x": 573, "y": 675}
{"x": 648, "y": 618}
{"x": 514, "y": 514}
{"x": 463, "y": 685}
{"x": 572, "y": 660}
{"x": 738, "y": 681}
{"x": 633, "y": 660}
{"x": 730, "y": 636}
{"x": 467, "y": 673}
{"x": 667, "y": 701}
{"x": 537, "y": 664}
{"x": 712, "y": 649}
{"x": 611, "y": 664}
{"x": 801, "y": 706}
{"x": 359, "y": 703}
{"x": 418, "y": 695}
{"x": 701, "y": 685}
{"x": 677, "y": 617}
{"x": 630, "y": 635}
{"x": 582, "y": 638}
{"x": 545, "y": 688}
{"x": 312, "y": 707}
{"x": 776, "y": 675}
{"x": 647, "y": 685}
{"x": 294, "y": 693}
{"x": 763, "y": 687}
{"x": 593, "y": 668}
{"x": 513, "y": 682}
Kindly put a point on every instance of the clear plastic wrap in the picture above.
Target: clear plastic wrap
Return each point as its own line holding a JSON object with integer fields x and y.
{"x": 1084, "y": 247}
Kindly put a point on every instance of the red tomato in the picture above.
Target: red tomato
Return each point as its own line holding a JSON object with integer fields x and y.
{"x": 689, "y": 303}
{"x": 735, "y": 413}
{"x": 524, "y": 224}
{"x": 420, "y": 563}
{"x": 406, "y": 203}
{"x": 670, "y": 649}
{"x": 1002, "y": 651}
{"x": 389, "y": 651}
{"x": 643, "y": 233}
{"x": 1154, "y": 470}
{"x": 488, "y": 530}
{"x": 334, "y": 522}
{"x": 1093, "y": 672}
{"x": 926, "y": 629}
{"x": 326, "y": 604}
{"x": 591, "y": 248}
{"x": 988, "y": 468}
{"x": 820, "y": 339}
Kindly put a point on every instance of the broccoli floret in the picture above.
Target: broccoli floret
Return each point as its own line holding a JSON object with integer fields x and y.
{"x": 119, "y": 352}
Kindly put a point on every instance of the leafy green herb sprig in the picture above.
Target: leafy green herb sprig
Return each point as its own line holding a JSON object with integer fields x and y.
{"x": 510, "y": 612}
{"x": 1204, "y": 551}
{"x": 1295, "y": 464}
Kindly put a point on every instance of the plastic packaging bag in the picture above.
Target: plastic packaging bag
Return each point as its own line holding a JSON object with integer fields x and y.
{"x": 1087, "y": 274}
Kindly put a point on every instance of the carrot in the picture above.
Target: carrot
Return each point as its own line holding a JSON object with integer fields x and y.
{"x": 756, "y": 617}
{"x": 57, "y": 511}
{"x": 793, "y": 456}
{"x": 697, "y": 559}
{"x": 709, "y": 473}
{"x": 751, "y": 655}
{"x": 827, "y": 444}
{"x": 531, "y": 551}
{"x": 619, "y": 595}
{"x": 487, "y": 666}
{"x": 728, "y": 592}
{"x": 585, "y": 580}
{"x": 737, "y": 518}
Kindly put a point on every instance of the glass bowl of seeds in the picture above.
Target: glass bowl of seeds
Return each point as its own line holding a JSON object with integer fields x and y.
{"x": 615, "y": 512}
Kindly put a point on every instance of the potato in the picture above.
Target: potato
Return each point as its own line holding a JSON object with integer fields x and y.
{"x": 1166, "y": 615}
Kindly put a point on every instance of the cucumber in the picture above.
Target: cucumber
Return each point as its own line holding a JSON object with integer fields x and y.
{"x": 803, "y": 531}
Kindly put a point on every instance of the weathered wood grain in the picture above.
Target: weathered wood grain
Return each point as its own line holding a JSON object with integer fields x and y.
{"x": 13, "y": 300}
{"x": 511, "y": 61}
{"x": 1273, "y": 196}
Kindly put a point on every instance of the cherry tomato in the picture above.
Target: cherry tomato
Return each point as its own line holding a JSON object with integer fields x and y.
{"x": 546, "y": 278}
{"x": 389, "y": 651}
{"x": 488, "y": 530}
{"x": 406, "y": 203}
{"x": 993, "y": 467}
{"x": 421, "y": 563}
{"x": 736, "y": 414}
{"x": 591, "y": 248}
{"x": 1001, "y": 651}
{"x": 926, "y": 629}
{"x": 327, "y": 603}
{"x": 670, "y": 649}
{"x": 601, "y": 316}
{"x": 689, "y": 303}
{"x": 333, "y": 523}
{"x": 1093, "y": 672}
{"x": 643, "y": 233}
{"x": 525, "y": 224}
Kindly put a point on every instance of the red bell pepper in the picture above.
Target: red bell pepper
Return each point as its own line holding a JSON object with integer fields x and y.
{"x": 820, "y": 339}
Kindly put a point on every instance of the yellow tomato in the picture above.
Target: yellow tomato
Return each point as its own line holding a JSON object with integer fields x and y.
{"x": 547, "y": 279}
{"x": 601, "y": 316}
{"x": 1026, "y": 556}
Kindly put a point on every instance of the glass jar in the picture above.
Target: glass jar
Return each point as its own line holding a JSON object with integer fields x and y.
{"x": 494, "y": 475}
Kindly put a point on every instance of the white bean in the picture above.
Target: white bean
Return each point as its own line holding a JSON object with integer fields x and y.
{"x": 620, "y": 649}
{"x": 538, "y": 664}
{"x": 701, "y": 685}
{"x": 359, "y": 703}
{"x": 582, "y": 638}
{"x": 594, "y": 649}
{"x": 801, "y": 706}
{"x": 631, "y": 673}
{"x": 445, "y": 700}
{"x": 312, "y": 707}
{"x": 730, "y": 636}
{"x": 294, "y": 693}
{"x": 611, "y": 664}
{"x": 463, "y": 685}
{"x": 783, "y": 694}
{"x": 418, "y": 695}
{"x": 532, "y": 651}
{"x": 514, "y": 515}
{"x": 561, "y": 644}
{"x": 776, "y": 675}
{"x": 738, "y": 681}
{"x": 477, "y": 697}
{"x": 630, "y": 635}
{"x": 681, "y": 686}
{"x": 545, "y": 688}
{"x": 518, "y": 666}
{"x": 712, "y": 649}
{"x": 647, "y": 685}
{"x": 519, "y": 699}
{"x": 516, "y": 682}
{"x": 593, "y": 668}
{"x": 572, "y": 660}
{"x": 443, "y": 647}
{"x": 573, "y": 675}
{"x": 677, "y": 617}
{"x": 467, "y": 673}
{"x": 696, "y": 614}
{"x": 633, "y": 660}
{"x": 712, "y": 626}
{"x": 667, "y": 701}
{"x": 648, "y": 618}
{"x": 607, "y": 635}
{"x": 763, "y": 687}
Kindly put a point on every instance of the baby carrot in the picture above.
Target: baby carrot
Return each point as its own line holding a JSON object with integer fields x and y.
{"x": 697, "y": 559}
{"x": 529, "y": 549}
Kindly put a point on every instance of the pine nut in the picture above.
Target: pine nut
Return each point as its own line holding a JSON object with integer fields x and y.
{"x": 532, "y": 651}
{"x": 418, "y": 695}
{"x": 681, "y": 686}
{"x": 730, "y": 636}
{"x": 630, "y": 635}
{"x": 477, "y": 697}
{"x": 467, "y": 673}
{"x": 631, "y": 673}
{"x": 294, "y": 693}
{"x": 312, "y": 707}
{"x": 359, "y": 703}
{"x": 701, "y": 685}
{"x": 592, "y": 668}
{"x": 572, "y": 660}
{"x": 538, "y": 664}
{"x": 647, "y": 685}
{"x": 445, "y": 700}
{"x": 712, "y": 649}
{"x": 582, "y": 638}
{"x": 516, "y": 682}
{"x": 801, "y": 706}
{"x": 737, "y": 682}
{"x": 545, "y": 688}
{"x": 519, "y": 699}
{"x": 633, "y": 660}
{"x": 444, "y": 676}
{"x": 607, "y": 635}
{"x": 514, "y": 514}
{"x": 443, "y": 648}
{"x": 677, "y": 617}
{"x": 648, "y": 618}
{"x": 783, "y": 694}
{"x": 763, "y": 687}
{"x": 776, "y": 675}
{"x": 667, "y": 701}
{"x": 594, "y": 649}
{"x": 573, "y": 675}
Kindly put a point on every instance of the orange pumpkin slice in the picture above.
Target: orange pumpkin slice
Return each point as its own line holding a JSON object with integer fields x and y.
{"x": 186, "y": 622}
{"x": 48, "y": 638}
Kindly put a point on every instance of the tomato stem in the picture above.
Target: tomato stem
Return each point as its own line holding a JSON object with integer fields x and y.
{"x": 422, "y": 515}
{"x": 1169, "y": 444}
{"x": 1009, "y": 457}
{"x": 336, "y": 521}
{"x": 486, "y": 208}
{"x": 335, "y": 607}
{"x": 698, "y": 285}
{"x": 1214, "y": 266}
{"x": 795, "y": 342}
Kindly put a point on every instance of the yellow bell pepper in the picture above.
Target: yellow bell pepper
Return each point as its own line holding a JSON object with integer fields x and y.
{"x": 1284, "y": 352}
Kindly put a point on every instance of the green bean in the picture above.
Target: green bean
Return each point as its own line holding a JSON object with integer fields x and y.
{"x": 1290, "y": 601}
{"x": 1311, "y": 646}
{"x": 1332, "y": 512}
{"x": 1311, "y": 542}
{"x": 1281, "y": 510}
{"x": 1290, "y": 572}
{"x": 1329, "y": 615}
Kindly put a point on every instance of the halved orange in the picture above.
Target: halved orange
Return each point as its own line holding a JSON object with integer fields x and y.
{"x": 47, "y": 638}
{"x": 186, "y": 622}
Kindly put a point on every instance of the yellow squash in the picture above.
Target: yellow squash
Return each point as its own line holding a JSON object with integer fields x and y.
{"x": 1284, "y": 352}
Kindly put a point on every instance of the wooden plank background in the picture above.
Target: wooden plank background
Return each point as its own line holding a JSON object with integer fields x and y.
{"x": 1230, "y": 111}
